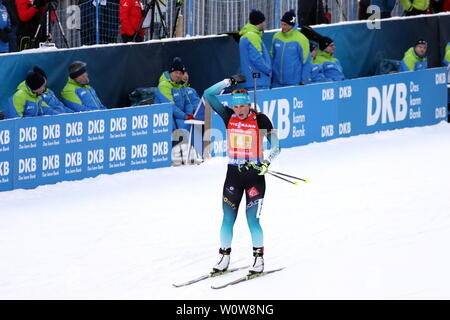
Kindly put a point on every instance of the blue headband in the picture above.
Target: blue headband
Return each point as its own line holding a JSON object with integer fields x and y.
{"x": 239, "y": 98}
{"x": 78, "y": 73}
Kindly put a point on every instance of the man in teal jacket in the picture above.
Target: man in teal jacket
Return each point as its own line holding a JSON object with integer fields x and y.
{"x": 255, "y": 59}
{"x": 27, "y": 101}
{"x": 78, "y": 95}
{"x": 415, "y": 57}
{"x": 291, "y": 60}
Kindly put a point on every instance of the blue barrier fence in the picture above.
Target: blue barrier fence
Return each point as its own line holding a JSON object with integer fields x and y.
{"x": 315, "y": 113}
{"x": 49, "y": 149}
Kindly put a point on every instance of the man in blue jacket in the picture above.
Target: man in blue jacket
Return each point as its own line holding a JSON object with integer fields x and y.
{"x": 170, "y": 89}
{"x": 415, "y": 58}
{"x": 331, "y": 66}
{"x": 27, "y": 101}
{"x": 49, "y": 96}
{"x": 255, "y": 59}
{"x": 78, "y": 95}
{"x": 291, "y": 61}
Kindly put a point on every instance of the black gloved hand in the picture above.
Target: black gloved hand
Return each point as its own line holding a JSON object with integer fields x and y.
{"x": 4, "y": 35}
{"x": 237, "y": 78}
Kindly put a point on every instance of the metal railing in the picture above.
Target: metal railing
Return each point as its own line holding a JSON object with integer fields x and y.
{"x": 84, "y": 23}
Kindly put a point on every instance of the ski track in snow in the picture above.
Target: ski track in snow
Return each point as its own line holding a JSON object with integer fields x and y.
{"x": 372, "y": 223}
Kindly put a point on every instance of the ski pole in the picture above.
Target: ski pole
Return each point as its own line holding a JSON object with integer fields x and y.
{"x": 279, "y": 177}
{"x": 286, "y": 175}
{"x": 255, "y": 75}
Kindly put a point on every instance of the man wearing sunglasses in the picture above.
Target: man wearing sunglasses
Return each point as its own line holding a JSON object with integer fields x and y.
{"x": 246, "y": 129}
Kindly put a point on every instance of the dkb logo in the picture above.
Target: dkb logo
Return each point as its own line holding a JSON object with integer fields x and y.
{"x": 27, "y": 165}
{"x": 380, "y": 104}
{"x": 4, "y": 168}
{"x": 5, "y": 137}
{"x": 28, "y": 134}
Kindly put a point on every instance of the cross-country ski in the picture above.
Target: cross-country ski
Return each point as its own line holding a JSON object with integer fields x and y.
{"x": 212, "y": 274}
{"x": 247, "y": 277}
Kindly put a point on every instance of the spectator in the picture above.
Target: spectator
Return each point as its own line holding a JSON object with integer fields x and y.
{"x": 316, "y": 69}
{"x": 107, "y": 17}
{"x": 5, "y": 28}
{"x": 78, "y": 95}
{"x": 255, "y": 58}
{"x": 27, "y": 101}
{"x": 331, "y": 66}
{"x": 170, "y": 90}
{"x": 291, "y": 60}
{"x": 49, "y": 96}
{"x": 447, "y": 55}
{"x": 30, "y": 13}
{"x": 415, "y": 7}
{"x": 310, "y": 12}
{"x": 12, "y": 11}
{"x": 130, "y": 20}
{"x": 363, "y": 5}
{"x": 415, "y": 57}
{"x": 386, "y": 7}
{"x": 192, "y": 97}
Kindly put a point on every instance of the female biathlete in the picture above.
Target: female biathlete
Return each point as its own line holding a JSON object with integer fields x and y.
{"x": 246, "y": 129}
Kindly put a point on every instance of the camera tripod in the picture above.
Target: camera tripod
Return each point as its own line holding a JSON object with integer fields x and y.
{"x": 154, "y": 7}
{"x": 46, "y": 22}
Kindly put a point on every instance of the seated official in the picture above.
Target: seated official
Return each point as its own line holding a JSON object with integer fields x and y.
{"x": 332, "y": 68}
{"x": 415, "y": 58}
{"x": 27, "y": 101}
{"x": 49, "y": 96}
{"x": 78, "y": 95}
{"x": 170, "y": 89}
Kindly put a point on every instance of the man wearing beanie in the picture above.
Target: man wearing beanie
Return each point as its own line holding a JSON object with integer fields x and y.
{"x": 170, "y": 90}
{"x": 255, "y": 58}
{"x": 77, "y": 94}
{"x": 291, "y": 60}
{"x": 49, "y": 96}
{"x": 27, "y": 101}
{"x": 415, "y": 58}
{"x": 332, "y": 68}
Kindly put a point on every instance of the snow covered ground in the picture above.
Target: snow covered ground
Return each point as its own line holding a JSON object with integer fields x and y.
{"x": 372, "y": 223}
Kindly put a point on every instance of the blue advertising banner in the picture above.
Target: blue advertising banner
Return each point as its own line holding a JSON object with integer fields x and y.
{"x": 6, "y": 154}
{"x": 49, "y": 149}
{"x": 394, "y": 101}
{"x": 319, "y": 112}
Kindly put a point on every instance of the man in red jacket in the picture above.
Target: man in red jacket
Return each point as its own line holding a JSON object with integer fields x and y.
{"x": 130, "y": 20}
{"x": 30, "y": 15}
